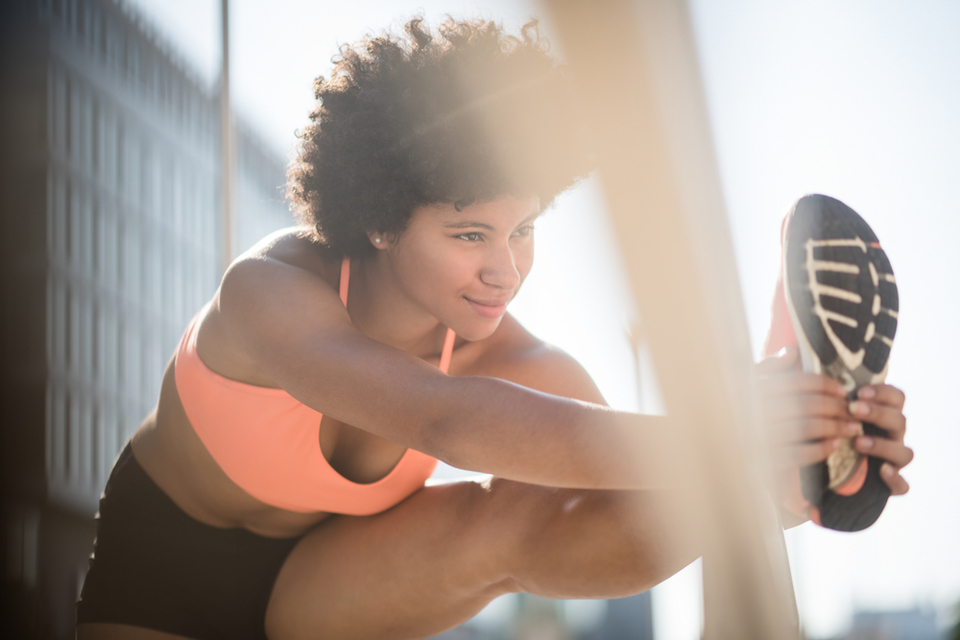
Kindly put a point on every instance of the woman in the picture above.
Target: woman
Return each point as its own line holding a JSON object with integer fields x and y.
{"x": 278, "y": 487}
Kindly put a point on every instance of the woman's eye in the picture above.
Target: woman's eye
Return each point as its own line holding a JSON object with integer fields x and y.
{"x": 471, "y": 237}
{"x": 524, "y": 231}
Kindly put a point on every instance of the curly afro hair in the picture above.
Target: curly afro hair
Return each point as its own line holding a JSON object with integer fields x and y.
{"x": 467, "y": 114}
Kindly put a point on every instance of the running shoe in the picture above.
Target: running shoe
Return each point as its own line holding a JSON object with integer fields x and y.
{"x": 837, "y": 301}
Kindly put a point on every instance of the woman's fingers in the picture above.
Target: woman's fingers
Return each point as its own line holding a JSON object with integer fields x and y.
{"x": 883, "y": 394}
{"x": 894, "y": 453}
{"x": 812, "y": 412}
{"x": 806, "y": 405}
{"x": 890, "y": 450}
{"x": 897, "y": 456}
{"x": 792, "y": 395}
{"x": 793, "y": 383}
{"x": 807, "y": 397}
{"x": 817, "y": 429}
{"x": 898, "y": 486}
{"x": 882, "y": 405}
{"x": 890, "y": 419}
{"x": 807, "y": 453}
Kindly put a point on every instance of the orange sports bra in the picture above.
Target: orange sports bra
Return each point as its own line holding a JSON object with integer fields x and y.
{"x": 268, "y": 443}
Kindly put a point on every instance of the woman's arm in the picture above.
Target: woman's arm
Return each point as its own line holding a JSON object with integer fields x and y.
{"x": 292, "y": 325}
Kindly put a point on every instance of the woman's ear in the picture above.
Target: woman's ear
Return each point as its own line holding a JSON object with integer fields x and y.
{"x": 378, "y": 240}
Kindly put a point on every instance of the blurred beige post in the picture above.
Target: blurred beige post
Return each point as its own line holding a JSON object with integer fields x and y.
{"x": 226, "y": 136}
{"x": 637, "y": 68}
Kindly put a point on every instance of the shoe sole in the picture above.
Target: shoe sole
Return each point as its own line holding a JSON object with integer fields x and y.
{"x": 843, "y": 303}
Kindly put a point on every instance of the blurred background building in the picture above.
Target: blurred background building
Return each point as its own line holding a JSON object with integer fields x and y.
{"x": 915, "y": 624}
{"x": 111, "y": 240}
{"x": 112, "y": 237}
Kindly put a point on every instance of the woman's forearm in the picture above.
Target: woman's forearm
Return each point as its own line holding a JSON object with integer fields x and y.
{"x": 495, "y": 426}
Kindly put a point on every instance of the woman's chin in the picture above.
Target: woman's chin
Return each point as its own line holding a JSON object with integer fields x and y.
{"x": 477, "y": 329}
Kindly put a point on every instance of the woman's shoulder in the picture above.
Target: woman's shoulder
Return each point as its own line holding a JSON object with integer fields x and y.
{"x": 293, "y": 247}
{"x": 286, "y": 259}
{"x": 276, "y": 290}
{"x": 513, "y": 353}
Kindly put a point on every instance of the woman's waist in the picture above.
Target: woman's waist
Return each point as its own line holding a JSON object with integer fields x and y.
{"x": 176, "y": 461}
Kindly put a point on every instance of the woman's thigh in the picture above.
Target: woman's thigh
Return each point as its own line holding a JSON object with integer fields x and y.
{"x": 440, "y": 556}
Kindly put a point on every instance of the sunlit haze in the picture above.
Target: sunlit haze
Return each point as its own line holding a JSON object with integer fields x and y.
{"x": 857, "y": 99}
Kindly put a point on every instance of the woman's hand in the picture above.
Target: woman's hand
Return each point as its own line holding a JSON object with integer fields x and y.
{"x": 809, "y": 413}
{"x": 882, "y": 405}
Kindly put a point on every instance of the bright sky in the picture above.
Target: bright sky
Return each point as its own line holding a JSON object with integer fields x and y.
{"x": 856, "y": 99}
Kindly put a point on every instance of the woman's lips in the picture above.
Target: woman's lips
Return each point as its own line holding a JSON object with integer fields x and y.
{"x": 488, "y": 309}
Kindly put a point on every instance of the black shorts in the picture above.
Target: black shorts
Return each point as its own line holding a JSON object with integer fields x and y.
{"x": 156, "y": 567}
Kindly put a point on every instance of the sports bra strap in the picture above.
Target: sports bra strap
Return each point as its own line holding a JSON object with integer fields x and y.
{"x": 344, "y": 279}
{"x": 447, "y": 350}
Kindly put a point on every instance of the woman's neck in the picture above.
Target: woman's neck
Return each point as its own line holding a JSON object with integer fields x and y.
{"x": 380, "y": 308}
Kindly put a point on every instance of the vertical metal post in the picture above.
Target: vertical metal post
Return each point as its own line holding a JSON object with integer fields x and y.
{"x": 226, "y": 136}
{"x": 642, "y": 93}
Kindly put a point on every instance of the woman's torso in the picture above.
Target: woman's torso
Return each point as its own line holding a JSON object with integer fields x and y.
{"x": 171, "y": 452}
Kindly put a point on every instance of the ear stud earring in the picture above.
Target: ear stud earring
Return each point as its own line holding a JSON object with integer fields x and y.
{"x": 377, "y": 240}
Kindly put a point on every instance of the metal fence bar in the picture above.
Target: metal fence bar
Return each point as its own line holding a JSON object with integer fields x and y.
{"x": 227, "y": 162}
{"x": 640, "y": 83}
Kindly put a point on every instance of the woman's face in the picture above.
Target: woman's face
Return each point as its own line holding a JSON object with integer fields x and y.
{"x": 463, "y": 267}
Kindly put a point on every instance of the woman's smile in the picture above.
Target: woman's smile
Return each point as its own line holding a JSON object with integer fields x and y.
{"x": 488, "y": 308}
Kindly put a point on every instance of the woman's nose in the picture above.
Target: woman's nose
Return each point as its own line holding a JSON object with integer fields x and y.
{"x": 500, "y": 269}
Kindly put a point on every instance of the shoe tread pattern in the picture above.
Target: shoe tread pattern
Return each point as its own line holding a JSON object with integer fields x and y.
{"x": 843, "y": 290}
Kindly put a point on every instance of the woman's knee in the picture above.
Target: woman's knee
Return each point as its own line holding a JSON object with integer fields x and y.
{"x": 580, "y": 543}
